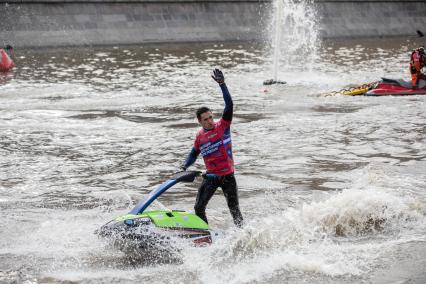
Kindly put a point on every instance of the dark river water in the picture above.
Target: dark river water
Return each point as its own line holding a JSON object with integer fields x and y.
{"x": 85, "y": 133}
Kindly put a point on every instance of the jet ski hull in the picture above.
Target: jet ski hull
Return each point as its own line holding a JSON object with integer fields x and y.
{"x": 398, "y": 87}
{"x": 156, "y": 230}
{"x": 159, "y": 229}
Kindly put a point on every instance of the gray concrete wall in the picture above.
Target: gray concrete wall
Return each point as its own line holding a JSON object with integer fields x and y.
{"x": 54, "y": 23}
{"x": 341, "y": 18}
{"x": 96, "y": 22}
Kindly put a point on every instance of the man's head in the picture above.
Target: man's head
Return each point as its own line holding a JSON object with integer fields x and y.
{"x": 205, "y": 118}
{"x": 8, "y": 47}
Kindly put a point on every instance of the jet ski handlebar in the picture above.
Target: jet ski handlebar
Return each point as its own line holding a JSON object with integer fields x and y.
{"x": 189, "y": 176}
{"x": 185, "y": 176}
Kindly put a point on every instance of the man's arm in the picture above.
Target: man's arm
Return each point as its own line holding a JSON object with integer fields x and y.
{"x": 190, "y": 159}
{"x": 229, "y": 105}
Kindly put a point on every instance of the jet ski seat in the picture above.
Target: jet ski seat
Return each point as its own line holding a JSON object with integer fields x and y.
{"x": 403, "y": 83}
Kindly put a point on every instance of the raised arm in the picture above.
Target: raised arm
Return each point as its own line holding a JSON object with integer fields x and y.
{"x": 229, "y": 105}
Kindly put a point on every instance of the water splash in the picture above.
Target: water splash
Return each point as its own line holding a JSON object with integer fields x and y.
{"x": 325, "y": 238}
{"x": 294, "y": 36}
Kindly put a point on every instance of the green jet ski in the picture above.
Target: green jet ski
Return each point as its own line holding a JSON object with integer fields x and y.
{"x": 144, "y": 230}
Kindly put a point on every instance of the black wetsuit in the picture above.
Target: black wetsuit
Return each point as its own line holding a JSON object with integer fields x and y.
{"x": 229, "y": 187}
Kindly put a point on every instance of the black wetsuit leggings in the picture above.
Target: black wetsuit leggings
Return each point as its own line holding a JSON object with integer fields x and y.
{"x": 229, "y": 188}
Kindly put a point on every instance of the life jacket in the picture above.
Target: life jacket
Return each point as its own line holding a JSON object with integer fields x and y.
{"x": 415, "y": 64}
{"x": 6, "y": 63}
{"x": 216, "y": 148}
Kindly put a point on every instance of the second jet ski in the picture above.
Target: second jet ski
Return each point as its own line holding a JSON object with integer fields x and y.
{"x": 386, "y": 87}
{"x": 396, "y": 87}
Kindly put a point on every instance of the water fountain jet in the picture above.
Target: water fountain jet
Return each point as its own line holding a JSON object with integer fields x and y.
{"x": 294, "y": 33}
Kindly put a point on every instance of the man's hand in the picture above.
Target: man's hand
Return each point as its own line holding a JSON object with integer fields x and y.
{"x": 218, "y": 76}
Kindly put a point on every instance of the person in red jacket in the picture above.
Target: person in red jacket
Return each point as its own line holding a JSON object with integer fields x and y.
{"x": 213, "y": 142}
{"x": 417, "y": 62}
{"x": 6, "y": 62}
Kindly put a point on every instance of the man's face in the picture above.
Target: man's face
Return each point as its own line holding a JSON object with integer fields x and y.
{"x": 206, "y": 120}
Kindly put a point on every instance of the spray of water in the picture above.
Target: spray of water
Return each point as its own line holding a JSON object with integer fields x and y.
{"x": 294, "y": 36}
{"x": 324, "y": 237}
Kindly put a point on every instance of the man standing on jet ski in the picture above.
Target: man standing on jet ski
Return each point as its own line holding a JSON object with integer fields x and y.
{"x": 213, "y": 141}
{"x": 417, "y": 62}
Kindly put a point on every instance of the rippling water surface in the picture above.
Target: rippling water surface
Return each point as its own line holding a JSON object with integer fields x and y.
{"x": 332, "y": 188}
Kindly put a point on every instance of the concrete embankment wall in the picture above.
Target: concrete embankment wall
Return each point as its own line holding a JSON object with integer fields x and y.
{"x": 97, "y": 22}
{"x": 341, "y": 18}
{"x": 66, "y": 22}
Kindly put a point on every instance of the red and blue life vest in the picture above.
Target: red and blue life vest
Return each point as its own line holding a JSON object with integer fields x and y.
{"x": 216, "y": 148}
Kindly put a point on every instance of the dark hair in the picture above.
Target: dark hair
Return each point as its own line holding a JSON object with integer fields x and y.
{"x": 8, "y": 47}
{"x": 200, "y": 111}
